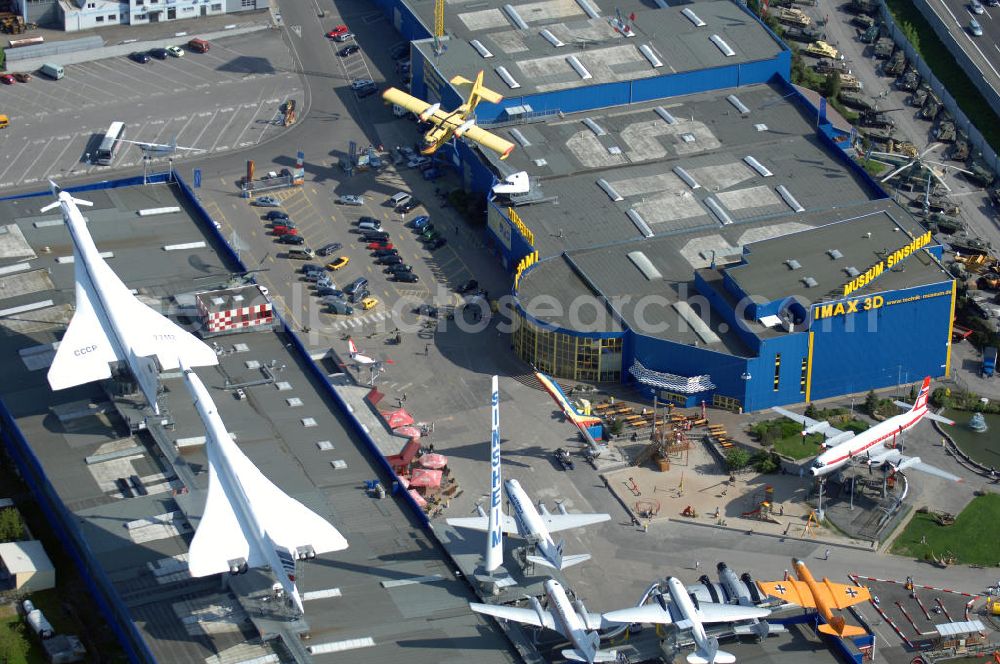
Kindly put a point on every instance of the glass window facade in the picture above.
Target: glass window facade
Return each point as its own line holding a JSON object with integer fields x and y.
{"x": 728, "y": 403}
{"x": 561, "y": 355}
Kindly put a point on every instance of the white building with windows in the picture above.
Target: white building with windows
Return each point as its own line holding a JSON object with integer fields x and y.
{"x": 79, "y": 15}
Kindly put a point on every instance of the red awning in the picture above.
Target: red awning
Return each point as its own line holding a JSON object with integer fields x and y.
{"x": 398, "y": 418}
{"x": 408, "y": 432}
{"x": 423, "y": 477}
{"x": 433, "y": 461}
{"x": 418, "y": 498}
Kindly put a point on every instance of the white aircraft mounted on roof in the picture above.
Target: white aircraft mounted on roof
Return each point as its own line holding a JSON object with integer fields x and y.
{"x": 110, "y": 325}
{"x": 161, "y": 148}
{"x": 248, "y": 521}
{"x": 878, "y": 445}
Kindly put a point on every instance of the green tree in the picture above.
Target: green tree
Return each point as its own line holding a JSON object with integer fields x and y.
{"x": 11, "y": 526}
{"x": 871, "y": 403}
{"x": 910, "y": 32}
{"x": 13, "y": 646}
{"x": 913, "y": 393}
{"x": 811, "y": 411}
{"x": 616, "y": 426}
{"x": 832, "y": 85}
{"x": 765, "y": 462}
{"x": 737, "y": 458}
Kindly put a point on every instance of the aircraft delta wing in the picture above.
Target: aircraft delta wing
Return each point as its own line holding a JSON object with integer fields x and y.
{"x": 553, "y": 522}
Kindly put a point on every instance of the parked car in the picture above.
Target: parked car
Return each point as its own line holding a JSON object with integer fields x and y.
{"x": 311, "y": 268}
{"x": 372, "y": 236}
{"x": 338, "y": 264}
{"x": 137, "y": 56}
{"x": 975, "y": 28}
{"x": 390, "y": 260}
{"x": 351, "y": 199}
{"x": 358, "y": 296}
{"x": 408, "y": 206}
{"x": 369, "y": 224}
{"x": 276, "y": 215}
{"x": 358, "y": 284}
{"x": 359, "y": 83}
{"x": 421, "y": 221}
{"x": 291, "y": 239}
{"x": 339, "y": 30}
{"x": 175, "y": 51}
{"x": 339, "y": 307}
{"x": 418, "y": 161}
{"x": 159, "y": 53}
{"x": 348, "y": 50}
{"x": 282, "y": 229}
{"x": 379, "y": 253}
{"x": 398, "y": 268}
{"x": 406, "y": 277}
{"x": 367, "y": 92}
{"x": 436, "y": 244}
{"x": 22, "y": 76}
{"x": 369, "y": 303}
{"x": 267, "y": 201}
{"x": 429, "y": 235}
{"x": 977, "y": 7}
{"x": 328, "y": 249}
{"x": 467, "y": 287}
{"x": 8, "y": 79}
{"x": 347, "y": 36}
{"x": 324, "y": 291}
{"x": 373, "y": 246}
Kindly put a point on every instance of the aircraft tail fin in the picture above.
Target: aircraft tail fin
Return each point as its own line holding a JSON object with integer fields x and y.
{"x": 837, "y": 627}
{"x": 569, "y": 561}
{"x": 56, "y": 190}
{"x": 588, "y": 650}
{"x": 922, "y": 396}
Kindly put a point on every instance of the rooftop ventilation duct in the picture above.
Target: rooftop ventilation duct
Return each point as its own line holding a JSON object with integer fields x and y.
{"x": 793, "y": 264}
{"x": 588, "y": 9}
{"x": 520, "y": 138}
{"x": 740, "y": 106}
{"x": 723, "y": 46}
{"x": 665, "y": 114}
{"x": 482, "y": 50}
{"x": 551, "y": 38}
{"x": 594, "y": 127}
{"x": 507, "y": 78}
{"x": 647, "y": 51}
{"x": 718, "y": 211}
{"x": 834, "y": 253}
{"x": 810, "y": 282}
{"x": 788, "y": 198}
{"x": 757, "y": 166}
{"x": 578, "y": 67}
{"x": 609, "y": 190}
{"x": 641, "y": 261}
{"x": 852, "y": 271}
{"x": 514, "y": 17}
{"x": 684, "y": 175}
{"x": 691, "y": 16}
{"x": 639, "y": 222}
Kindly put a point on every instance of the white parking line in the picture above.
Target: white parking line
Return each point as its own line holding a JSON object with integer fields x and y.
{"x": 55, "y": 162}
{"x": 197, "y": 139}
{"x": 35, "y": 160}
{"x": 14, "y": 160}
{"x": 253, "y": 118}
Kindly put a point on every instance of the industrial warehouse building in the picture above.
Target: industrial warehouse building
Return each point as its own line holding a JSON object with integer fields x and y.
{"x": 693, "y": 223}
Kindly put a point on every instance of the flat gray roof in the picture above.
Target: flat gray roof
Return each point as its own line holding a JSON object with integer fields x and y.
{"x": 182, "y": 620}
{"x": 582, "y": 280}
{"x": 582, "y": 29}
{"x": 834, "y": 255}
{"x": 581, "y": 163}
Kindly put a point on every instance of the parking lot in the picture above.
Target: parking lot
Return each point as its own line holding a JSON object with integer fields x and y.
{"x": 221, "y": 100}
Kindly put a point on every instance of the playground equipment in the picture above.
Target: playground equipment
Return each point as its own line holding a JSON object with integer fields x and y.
{"x": 689, "y": 511}
{"x": 647, "y": 509}
{"x": 764, "y": 509}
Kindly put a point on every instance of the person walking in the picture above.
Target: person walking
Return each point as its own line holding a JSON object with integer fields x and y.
{"x": 826, "y": 554}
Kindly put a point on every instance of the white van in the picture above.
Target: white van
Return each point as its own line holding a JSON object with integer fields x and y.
{"x": 52, "y": 71}
{"x": 400, "y": 198}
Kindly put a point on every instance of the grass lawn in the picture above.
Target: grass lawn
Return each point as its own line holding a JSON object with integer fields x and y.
{"x": 798, "y": 446}
{"x": 941, "y": 62}
{"x": 35, "y": 653}
{"x": 968, "y": 538}
{"x": 786, "y": 435}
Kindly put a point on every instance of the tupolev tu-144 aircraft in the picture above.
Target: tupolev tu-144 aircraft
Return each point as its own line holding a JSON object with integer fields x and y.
{"x": 110, "y": 325}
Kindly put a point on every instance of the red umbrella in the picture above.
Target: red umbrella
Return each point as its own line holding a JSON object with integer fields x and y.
{"x": 398, "y": 418}
{"x": 434, "y": 461}
{"x": 407, "y": 432}
{"x": 423, "y": 477}
{"x": 417, "y": 498}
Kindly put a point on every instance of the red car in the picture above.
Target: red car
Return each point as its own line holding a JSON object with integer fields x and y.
{"x": 336, "y": 32}
{"x": 380, "y": 245}
{"x": 8, "y": 79}
{"x": 283, "y": 230}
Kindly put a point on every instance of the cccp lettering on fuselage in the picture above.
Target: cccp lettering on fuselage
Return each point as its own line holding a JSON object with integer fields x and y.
{"x": 86, "y": 349}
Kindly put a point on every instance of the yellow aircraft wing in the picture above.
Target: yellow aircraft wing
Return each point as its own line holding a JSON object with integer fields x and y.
{"x": 841, "y": 595}
{"x": 790, "y": 590}
{"x": 489, "y": 140}
{"x": 409, "y": 102}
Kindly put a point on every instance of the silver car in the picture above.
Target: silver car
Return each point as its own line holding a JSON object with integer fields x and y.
{"x": 351, "y": 199}
{"x": 975, "y": 28}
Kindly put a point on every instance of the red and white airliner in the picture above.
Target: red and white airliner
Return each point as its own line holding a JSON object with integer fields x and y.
{"x": 357, "y": 355}
{"x": 880, "y": 444}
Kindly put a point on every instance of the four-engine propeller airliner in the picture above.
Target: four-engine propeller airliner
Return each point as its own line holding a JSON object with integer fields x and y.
{"x": 878, "y": 445}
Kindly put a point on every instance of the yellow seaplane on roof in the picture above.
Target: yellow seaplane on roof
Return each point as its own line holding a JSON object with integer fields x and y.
{"x": 460, "y": 122}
